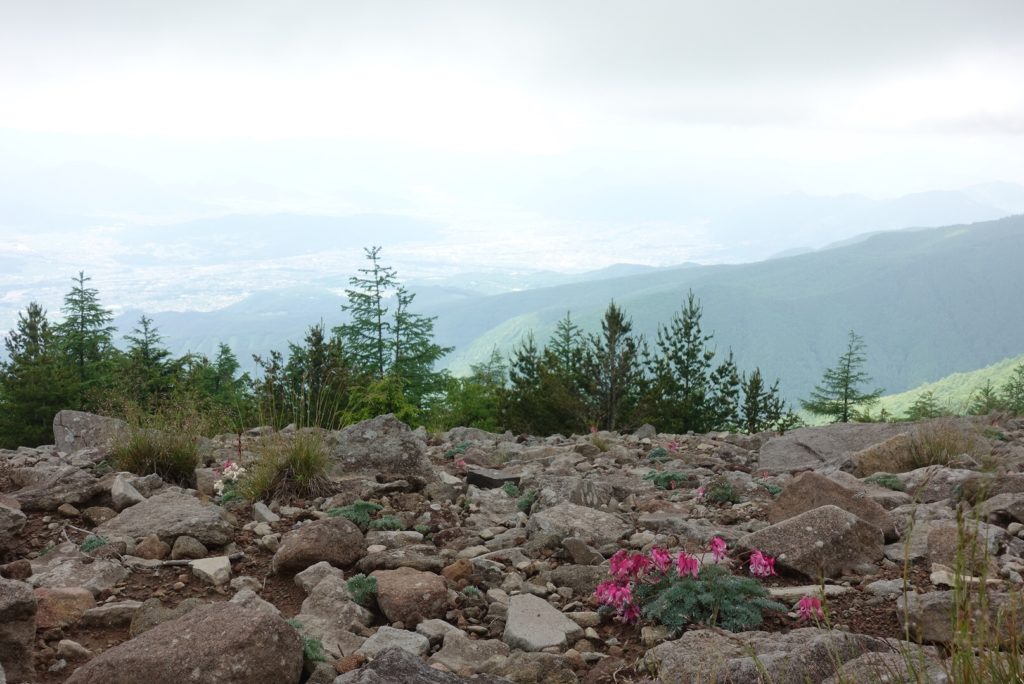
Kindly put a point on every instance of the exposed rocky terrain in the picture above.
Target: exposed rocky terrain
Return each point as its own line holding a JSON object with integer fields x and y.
{"x": 489, "y": 583}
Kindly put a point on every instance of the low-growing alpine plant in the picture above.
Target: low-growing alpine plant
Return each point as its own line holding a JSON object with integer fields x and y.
{"x": 683, "y": 589}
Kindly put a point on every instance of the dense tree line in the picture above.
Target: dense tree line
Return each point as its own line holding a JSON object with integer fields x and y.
{"x": 382, "y": 360}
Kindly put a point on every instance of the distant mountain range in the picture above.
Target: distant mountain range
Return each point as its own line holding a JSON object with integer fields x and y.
{"x": 927, "y": 302}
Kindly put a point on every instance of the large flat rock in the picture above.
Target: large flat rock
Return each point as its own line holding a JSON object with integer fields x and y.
{"x": 818, "y": 448}
{"x": 169, "y": 515}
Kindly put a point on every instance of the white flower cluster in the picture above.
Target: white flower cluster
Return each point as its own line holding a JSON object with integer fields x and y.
{"x": 230, "y": 473}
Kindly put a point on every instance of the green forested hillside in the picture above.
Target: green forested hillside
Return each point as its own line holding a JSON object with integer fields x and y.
{"x": 954, "y": 392}
{"x": 927, "y": 302}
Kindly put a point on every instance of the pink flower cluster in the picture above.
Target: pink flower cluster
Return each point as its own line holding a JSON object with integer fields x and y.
{"x": 810, "y": 607}
{"x": 761, "y": 565}
{"x": 629, "y": 569}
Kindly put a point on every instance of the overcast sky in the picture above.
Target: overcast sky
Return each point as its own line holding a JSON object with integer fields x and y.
{"x": 505, "y": 121}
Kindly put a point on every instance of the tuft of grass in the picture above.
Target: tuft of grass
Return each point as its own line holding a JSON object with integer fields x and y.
{"x": 887, "y": 480}
{"x": 526, "y": 501}
{"x": 601, "y": 443}
{"x": 174, "y": 456}
{"x": 358, "y": 512}
{"x": 719, "y": 491}
{"x": 511, "y": 489}
{"x": 287, "y": 467}
{"x": 363, "y": 589}
{"x": 940, "y": 442}
{"x": 386, "y": 522}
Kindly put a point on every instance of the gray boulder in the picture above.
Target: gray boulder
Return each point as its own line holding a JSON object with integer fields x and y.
{"x": 395, "y": 665}
{"x": 821, "y": 447}
{"x": 389, "y": 637}
{"x": 810, "y": 490}
{"x": 381, "y": 447}
{"x": 74, "y": 430}
{"x": 803, "y": 656}
{"x": 169, "y": 515}
{"x": 927, "y": 616}
{"x": 533, "y": 624}
{"x": 825, "y": 541}
{"x": 45, "y": 488}
{"x": 12, "y": 521}
{"x": 569, "y": 520}
{"x": 223, "y": 643}
{"x": 335, "y": 540}
{"x": 96, "y": 575}
{"x": 330, "y": 614}
{"x": 17, "y": 629}
{"x": 464, "y": 656}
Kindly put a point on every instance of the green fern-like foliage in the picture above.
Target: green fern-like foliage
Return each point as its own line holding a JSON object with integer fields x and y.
{"x": 719, "y": 491}
{"x": 658, "y": 454}
{"x": 511, "y": 489}
{"x": 670, "y": 479}
{"x": 358, "y": 512}
{"x": 888, "y": 481}
{"x": 714, "y": 597}
{"x": 386, "y": 522}
{"x": 362, "y": 588}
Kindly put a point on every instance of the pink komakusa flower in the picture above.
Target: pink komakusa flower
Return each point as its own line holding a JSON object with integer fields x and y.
{"x": 613, "y": 594}
{"x": 673, "y": 446}
{"x": 718, "y": 549}
{"x": 661, "y": 558}
{"x": 810, "y": 607}
{"x": 461, "y": 463}
{"x": 627, "y": 566}
{"x": 699, "y": 492}
{"x": 687, "y": 564}
{"x": 630, "y": 614}
{"x": 761, "y": 565}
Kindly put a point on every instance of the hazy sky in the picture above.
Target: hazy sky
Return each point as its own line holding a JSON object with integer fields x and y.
{"x": 504, "y": 121}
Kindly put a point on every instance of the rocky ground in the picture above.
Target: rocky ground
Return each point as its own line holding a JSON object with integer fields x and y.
{"x": 489, "y": 583}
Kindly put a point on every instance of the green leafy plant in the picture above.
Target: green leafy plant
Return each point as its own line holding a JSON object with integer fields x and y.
{"x": 526, "y": 501}
{"x": 670, "y": 479}
{"x": 312, "y": 648}
{"x": 714, "y": 597}
{"x": 386, "y": 522}
{"x": 422, "y": 529}
{"x": 91, "y": 543}
{"x": 457, "y": 450}
{"x": 173, "y": 456}
{"x": 658, "y": 454}
{"x": 472, "y": 592}
{"x": 719, "y": 491}
{"x": 887, "y": 480}
{"x": 772, "y": 489}
{"x": 363, "y": 589}
{"x": 358, "y": 512}
{"x": 511, "y": 489}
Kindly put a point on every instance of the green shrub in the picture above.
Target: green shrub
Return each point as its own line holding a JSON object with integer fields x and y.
{"x": 719, "y": 491}
{"x": 457, "y": 450}
{"x": 422, "y": 529}
{"x": 714, "y": 597}
{"x": 670, "y": 479}
{"x": 772, "y": 489}
{"x": 887, "y": 480}
{"x": 363, "y": 589}
{"x": 91, "y": 543}
{"x": 287, "y": 467}
{"x": 358, "y": 512}
{"x": 174, "y": 456}
{"x": 386, "y": 522}
{"x": 512, "y": 489}
{"x": 658, "y": 454}
{"x": 526, "y": 501}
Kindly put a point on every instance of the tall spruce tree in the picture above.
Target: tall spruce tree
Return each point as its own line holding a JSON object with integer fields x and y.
{"x": 614, "y": 369}
{"x": 34, "y": 382}
{"x": 86, "y": 338}
{"x": 147, "y": 371}
{"x": 679, "y": 397}
{"x": 840, "y": 392}
{"x": 383, "y": 347}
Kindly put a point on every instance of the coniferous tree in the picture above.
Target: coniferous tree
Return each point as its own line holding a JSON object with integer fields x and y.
{"x": 1012, "y": 392}
{"x": 147, "y": 371}
{"x": 985, "y": 400}
{"x": 474, "y": 401}
{"x": 613, "y": 367}
{"x": 925, "y": 406}
{"x": 763, "y": 407}
{"x": 839, "y": 395}
{"x": 34, "y": 382}
{"x": 678, "y": 400}
{"x": 318, "y": 379}
{"x": 724, "y": 399}
{"x": 86, "y": 338}
{"x": 398, "y": 348}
